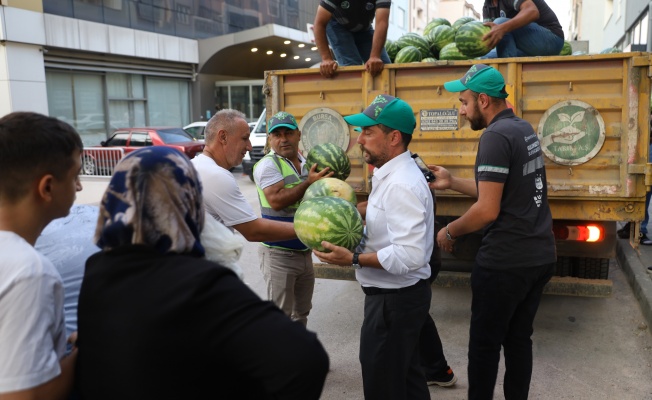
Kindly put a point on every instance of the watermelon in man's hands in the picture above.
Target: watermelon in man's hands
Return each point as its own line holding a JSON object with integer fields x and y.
{"x": 331, "y": 156}
{"x": 332, "y": 219}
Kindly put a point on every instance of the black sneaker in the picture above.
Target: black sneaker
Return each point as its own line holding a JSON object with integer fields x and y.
{"x": 445, "y": 379}
{"x": 644, "y": 240}
{"x": 623, "y": 232}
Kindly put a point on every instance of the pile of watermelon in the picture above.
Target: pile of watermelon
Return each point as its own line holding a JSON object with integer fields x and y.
{"x": 328, "y": 209}
{"x": 441, "y": 40}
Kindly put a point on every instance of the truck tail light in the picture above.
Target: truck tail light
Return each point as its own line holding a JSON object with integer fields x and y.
{"x": 579, "y": 233}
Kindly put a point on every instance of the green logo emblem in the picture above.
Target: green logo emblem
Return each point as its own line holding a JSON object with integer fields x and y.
{"x": 571, "y": 132}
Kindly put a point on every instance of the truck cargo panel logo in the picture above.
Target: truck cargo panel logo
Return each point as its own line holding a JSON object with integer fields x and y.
{"x": 571, "y": 132}
{"x": 438, "y": 119}
{"x": 323, "y": 125}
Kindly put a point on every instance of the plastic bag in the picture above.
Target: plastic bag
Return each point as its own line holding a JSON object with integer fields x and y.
{"x": 222, "y": 245}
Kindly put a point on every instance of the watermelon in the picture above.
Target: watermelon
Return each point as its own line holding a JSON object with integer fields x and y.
{"x": 429, "y": 59}
{"x": 440, "y": 37}
{"x": 408, "y": 54}
{"x": 433, "y": 24}
{"x": 332, "y": 156}
{"x": 610, "y": 50}
{"x": 331, "y": 219}
{"x": 469, "y": 39}
{"x": 391, "y": 48}
{"x": 456, "y": 25}
{"x": 414, "y": 39}
{"x": 567, "y": 50}
{"x": 450, "y": 52}
{"x": 331, "y": 187}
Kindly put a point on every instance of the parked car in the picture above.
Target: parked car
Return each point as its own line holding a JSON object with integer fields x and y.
{"x": 196, "y": 129}
{"x": 258, "y": 139}
{"x": 103, "y": 158}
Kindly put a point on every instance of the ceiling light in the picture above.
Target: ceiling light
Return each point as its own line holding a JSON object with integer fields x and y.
{"x": 253, "y": 49}
{"x": 313, "y": 48}
{"x": 287, "y": 42}
{"x": 308, "y": 59}
{"x": 283, "y": 54}
{"x": 301, "y": 45}
{"x": 270, "y": 52}
{"x": 296, "y": 57}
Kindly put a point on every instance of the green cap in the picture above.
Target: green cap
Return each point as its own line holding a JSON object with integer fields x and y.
{"x": 387, "y": 110}
{"x": 480, "y": 78}
{"x": 280, "y": 119}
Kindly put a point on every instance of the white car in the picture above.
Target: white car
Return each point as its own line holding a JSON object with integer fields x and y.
{"x": 196, "y": 129}
{"x": 258, "y": 140}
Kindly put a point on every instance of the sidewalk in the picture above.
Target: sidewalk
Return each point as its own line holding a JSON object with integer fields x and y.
{"x": 634, "y": 263}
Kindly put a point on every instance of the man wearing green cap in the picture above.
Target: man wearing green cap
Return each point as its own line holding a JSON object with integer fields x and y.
{"x": 517, "y": 254}
{"x": 282, "y": 179}
{"x": 391, "y": 262}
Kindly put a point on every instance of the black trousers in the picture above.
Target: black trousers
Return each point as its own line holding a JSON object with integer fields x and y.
{"x": 503, "y": 308}
{"x": 431, "y": 351}
{"x": 389, "y": 343}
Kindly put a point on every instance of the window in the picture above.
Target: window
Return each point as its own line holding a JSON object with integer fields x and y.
{"x": 126, "y": 95}
{"x": 273, "y": 8}
{"x": 174, "y": 135}
{"x": 140, "y": 139}
{"x": 78, "y": 99}
{"x": 119, "y": 139}
{"x": 246, "y": 96}
{"x": 168, "y": 102}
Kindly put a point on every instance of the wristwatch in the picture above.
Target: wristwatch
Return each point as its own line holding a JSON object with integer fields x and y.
{"x": 449, "y": 236}
{"x": 356, "y": 264}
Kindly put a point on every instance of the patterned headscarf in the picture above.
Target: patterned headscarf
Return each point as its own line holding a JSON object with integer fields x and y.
{"x": 154, "y": 198}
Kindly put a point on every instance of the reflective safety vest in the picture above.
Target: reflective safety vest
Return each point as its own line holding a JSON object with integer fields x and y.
{"x": 290, "y": 179}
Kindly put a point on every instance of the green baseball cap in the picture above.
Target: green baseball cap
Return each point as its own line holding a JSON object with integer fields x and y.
{"x": 480, "y": 78}
{"x": 281, "y": 119}
{"x": 387, "y": 110}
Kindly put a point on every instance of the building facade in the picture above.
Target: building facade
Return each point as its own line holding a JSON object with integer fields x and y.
{"x": 623, "y": 24}
{"x": 104, "y": 64}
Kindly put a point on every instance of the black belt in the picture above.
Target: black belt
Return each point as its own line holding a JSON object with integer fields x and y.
{"x": 372, "y": 291}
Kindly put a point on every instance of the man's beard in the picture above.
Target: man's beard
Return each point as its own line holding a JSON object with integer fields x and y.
{"x": 377, "y": 160}
{"x": 477, "y": 123}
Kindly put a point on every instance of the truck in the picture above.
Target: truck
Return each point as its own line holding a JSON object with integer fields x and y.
{"x": 590, "y": 112}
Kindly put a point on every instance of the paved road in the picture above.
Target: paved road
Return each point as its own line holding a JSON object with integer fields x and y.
{"x": 584, "y": 348}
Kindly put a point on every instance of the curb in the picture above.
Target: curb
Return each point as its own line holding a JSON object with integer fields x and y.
{"x": 634, "y": 263}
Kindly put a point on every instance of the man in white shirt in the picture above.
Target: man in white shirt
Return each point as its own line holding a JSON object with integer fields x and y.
{"x": 227, "y": 142}
{"x": 392, "y": 259}
{"x": 40, "y": 160}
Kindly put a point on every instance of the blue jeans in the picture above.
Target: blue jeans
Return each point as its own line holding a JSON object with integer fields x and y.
{"x": 351, "y": 48}
{"x": 530, "y": 40}
{"x": 503, "y": 308}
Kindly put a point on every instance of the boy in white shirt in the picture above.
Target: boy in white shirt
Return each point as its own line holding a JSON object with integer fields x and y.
{"x": 40, "y": 160}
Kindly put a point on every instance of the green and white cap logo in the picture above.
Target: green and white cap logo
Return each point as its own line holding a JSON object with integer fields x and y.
{"x": 571, "y": 132}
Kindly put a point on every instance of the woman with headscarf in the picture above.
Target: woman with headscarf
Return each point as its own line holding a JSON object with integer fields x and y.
{"x": 158, "y": 321}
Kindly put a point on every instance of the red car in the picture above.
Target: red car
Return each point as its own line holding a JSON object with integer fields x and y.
{"x": 100, "y": 160}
